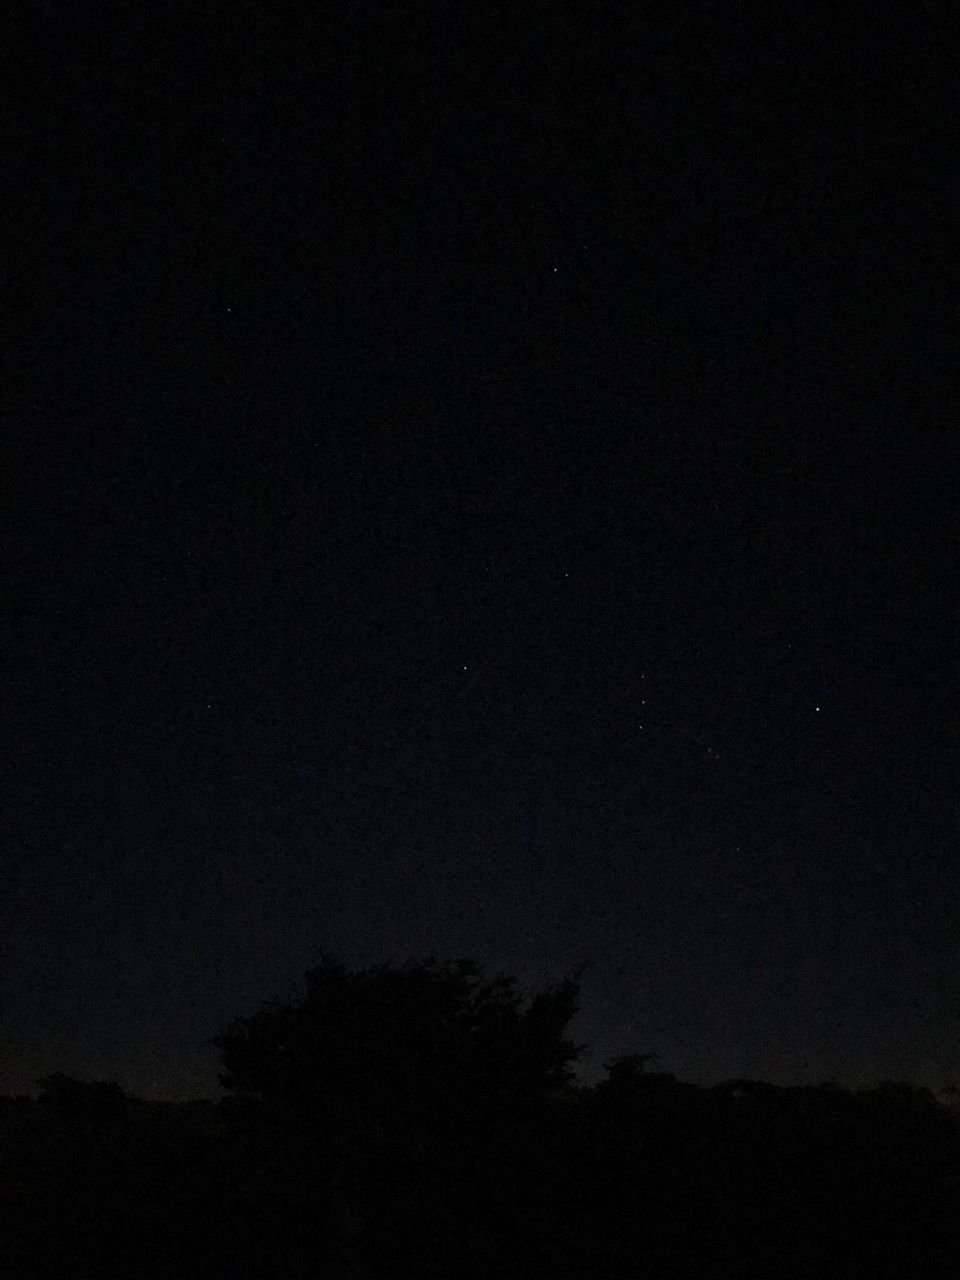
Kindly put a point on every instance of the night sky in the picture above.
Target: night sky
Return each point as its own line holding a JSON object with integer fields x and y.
{"x": 478, "y": 480}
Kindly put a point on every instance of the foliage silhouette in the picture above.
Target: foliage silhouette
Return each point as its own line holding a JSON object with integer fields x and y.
{"x": 411, "y": 1084}
{"x": 426, "y": 1118}
{"x": 91, "y": 1104}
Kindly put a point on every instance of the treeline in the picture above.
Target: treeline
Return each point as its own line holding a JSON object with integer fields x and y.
{"x": 426, "y": 1120}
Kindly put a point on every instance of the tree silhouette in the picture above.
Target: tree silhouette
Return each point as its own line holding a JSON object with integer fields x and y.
{"x": 402, "y": 1104}
{"x": 436, "y": 1030}
{"x": 90, "y": 1103}
{"x": 424, "y": 1119}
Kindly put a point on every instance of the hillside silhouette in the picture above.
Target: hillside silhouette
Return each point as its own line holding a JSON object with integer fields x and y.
{"x": 425, "y": 1119}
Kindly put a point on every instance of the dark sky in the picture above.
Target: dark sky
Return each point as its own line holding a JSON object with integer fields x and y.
{"x": 478, "y": 480}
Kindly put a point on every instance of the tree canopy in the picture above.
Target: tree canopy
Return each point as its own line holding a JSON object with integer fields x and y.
{"x": 435, "y": 1031}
